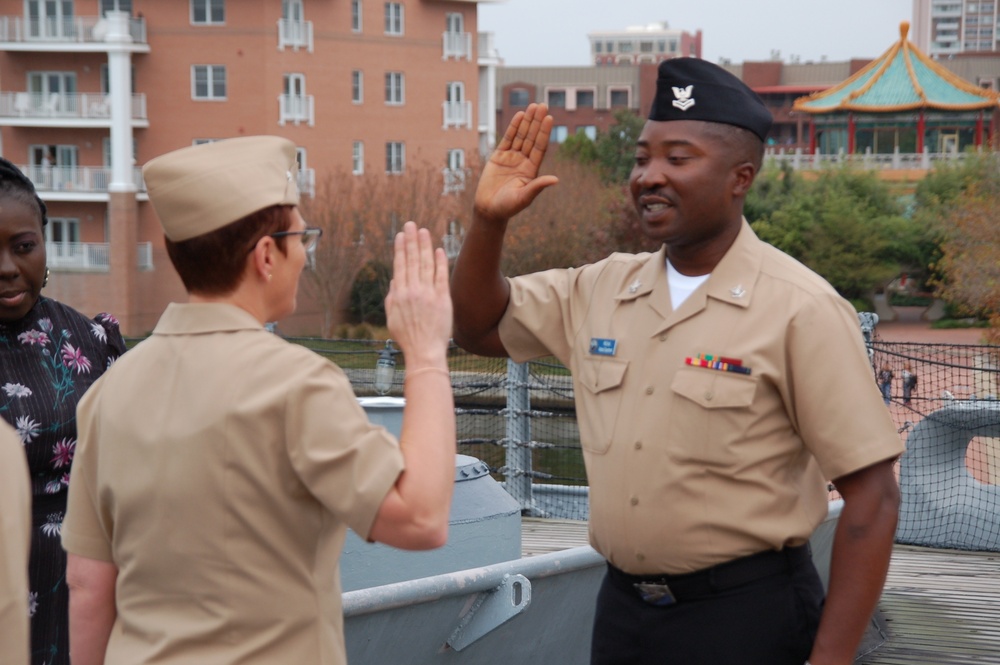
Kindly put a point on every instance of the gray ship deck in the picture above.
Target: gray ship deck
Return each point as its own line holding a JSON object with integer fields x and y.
{"x": 941, "y": 607}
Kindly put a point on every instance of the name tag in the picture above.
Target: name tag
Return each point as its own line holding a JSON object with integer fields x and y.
{"x": 603, "y": 347}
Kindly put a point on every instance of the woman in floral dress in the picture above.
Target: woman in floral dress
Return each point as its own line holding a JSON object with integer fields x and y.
{"x": 49, "y": 355}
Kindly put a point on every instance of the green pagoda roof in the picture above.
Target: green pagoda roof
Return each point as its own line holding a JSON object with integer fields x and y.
{"x": 902, "y": 79}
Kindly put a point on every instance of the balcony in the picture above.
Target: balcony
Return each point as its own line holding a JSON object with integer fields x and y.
{"x": 457, "y": 45}
{"x": 91, "y": 256}
{"x": 56, "y": 109}
{"x": 71, "y": 34}
{"x": 295, "y": 35}
{"x": 457, "y": 114}
{"x": 77, "y": 183}
{"x": 454, "y": 180}
{"x": 486, "y": 49}
{"x": 296, "y": 109}
{"x": 307, "y": 182}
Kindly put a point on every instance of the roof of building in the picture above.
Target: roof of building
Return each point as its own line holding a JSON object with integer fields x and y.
{"x": 902, "y": 79}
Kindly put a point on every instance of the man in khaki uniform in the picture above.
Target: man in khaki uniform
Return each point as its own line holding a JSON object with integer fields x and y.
{"x": 15, "y": 545}
{"x": 219, "y": 466}
{"x": 718, "y": 384}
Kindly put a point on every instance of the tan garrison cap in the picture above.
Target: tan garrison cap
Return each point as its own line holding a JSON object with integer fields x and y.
{"x": 202, "y": 188}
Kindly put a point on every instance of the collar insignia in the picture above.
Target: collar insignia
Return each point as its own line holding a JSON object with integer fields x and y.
{"x": 737, "y": 291}
{"x": 683, "y": 95}
{"x": 634, "y": 286}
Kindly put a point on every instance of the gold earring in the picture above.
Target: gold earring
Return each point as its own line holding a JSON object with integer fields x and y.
{"x": 269, "y": 276}
{"x": 45, "y": 281}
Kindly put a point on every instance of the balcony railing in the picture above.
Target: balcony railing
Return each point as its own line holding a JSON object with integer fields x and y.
{"x": 457, "y": 45}
{"x": 454, "y": 180}
{"x": 91, "y": 256}
{"x": 307, "y": 182}
{"x": 486, "y": 46}
{"x": 83, "y": 179}
{"x": 77, "y": 106}
{"x": 457, "y": 114}
{"x": 295, "y": 34}
{"x": 73, "y": 29}
{"x": 893, "y": 161}
{"x": 296, "y": 109}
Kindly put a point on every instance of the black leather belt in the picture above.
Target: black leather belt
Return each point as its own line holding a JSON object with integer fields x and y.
{"x": 663, "y": 590}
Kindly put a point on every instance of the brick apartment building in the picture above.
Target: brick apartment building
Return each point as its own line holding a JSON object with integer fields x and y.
{"x": 92, "y": 89}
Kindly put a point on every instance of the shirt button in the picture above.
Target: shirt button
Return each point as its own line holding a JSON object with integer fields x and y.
{"x": 638, "y": 445}
{"x": 649, "y": 390}
{"x": 634, "y": 501}
{"x": 663, "y": 337}
{"x": 709, "y": 395}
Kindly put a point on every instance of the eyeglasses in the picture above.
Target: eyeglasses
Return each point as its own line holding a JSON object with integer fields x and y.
{"x": 310, "y": 236}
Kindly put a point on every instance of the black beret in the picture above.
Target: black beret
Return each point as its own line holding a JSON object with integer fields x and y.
{"x": 695, "y": 89}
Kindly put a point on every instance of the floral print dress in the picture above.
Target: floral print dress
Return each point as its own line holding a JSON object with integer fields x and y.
{"x": 48, "y": 359}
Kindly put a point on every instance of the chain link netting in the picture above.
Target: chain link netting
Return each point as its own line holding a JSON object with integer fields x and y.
{"x": 521, "y": 421}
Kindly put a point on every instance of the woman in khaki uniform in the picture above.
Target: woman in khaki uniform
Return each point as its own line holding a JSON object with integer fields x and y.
{"x": 218, "y": 469}
{"x": 15, "y": 541}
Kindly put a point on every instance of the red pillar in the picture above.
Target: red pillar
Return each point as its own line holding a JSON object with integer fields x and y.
{"x": 979, "y": 129}
{"x": 850, "y": 133}
{"x": 812, "y": 137}
{"x": 921, "y": 128}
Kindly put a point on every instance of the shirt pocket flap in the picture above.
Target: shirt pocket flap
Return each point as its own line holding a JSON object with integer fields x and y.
{"x": 715, "y": 389}
{"x": 600, "y": 375}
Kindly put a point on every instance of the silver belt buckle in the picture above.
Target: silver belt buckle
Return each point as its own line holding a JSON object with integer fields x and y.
{"x": 655, "y": 594}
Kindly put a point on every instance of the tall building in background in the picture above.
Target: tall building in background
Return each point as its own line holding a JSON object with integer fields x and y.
{"x": 643, "y": 44}
{"x": 949, "y": 27}
{"x": 90, "y": 90}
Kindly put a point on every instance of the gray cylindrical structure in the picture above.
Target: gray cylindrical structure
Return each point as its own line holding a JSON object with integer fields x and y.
{"x": 484, "y": 525}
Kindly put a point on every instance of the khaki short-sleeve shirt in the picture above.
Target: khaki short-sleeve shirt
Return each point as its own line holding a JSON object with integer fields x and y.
{"x": 218, "y": 468}
{"x": 691, "y": 466}
{"x": 15, "y": 543}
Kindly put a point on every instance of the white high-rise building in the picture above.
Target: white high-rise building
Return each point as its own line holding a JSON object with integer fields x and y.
{"x": 947, "y": 27}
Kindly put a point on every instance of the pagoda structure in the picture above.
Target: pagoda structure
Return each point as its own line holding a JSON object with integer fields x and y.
{"x": 901, "y": 102}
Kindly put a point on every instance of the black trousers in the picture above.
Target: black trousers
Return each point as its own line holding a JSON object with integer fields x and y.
{"x": 771, "y": 620}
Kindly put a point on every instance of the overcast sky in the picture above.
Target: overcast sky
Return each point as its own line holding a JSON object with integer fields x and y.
{"x": 554, "y": 32}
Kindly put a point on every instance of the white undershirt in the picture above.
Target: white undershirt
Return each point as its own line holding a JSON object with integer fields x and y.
{"x": 681, "y": 286}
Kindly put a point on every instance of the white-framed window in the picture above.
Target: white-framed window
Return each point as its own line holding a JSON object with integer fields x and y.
{"x": 208, "y": 82}
{"x": 454, "y": 172}
{"x": 307, "y": 176}
{"x": 619, "y": 97}
{"x": 395, "y": 88}
{"x": 61, "y": 232}
{"x": 293, "y": 10}
{"x": 358, "y": 158}
{"x": 456, "y": 159}
{"x": 395, "y": 157}
{"x": 116, "y": 6}
{"x": 356, "y": 16}
{"x": 456, "y": 42}
{"x": 589, "y": 130}
{"x": 357, "y": 86}
{"x": 556, "y": 99}
{"x": 394, "y": 24}
{"x": 208, "y": 12}
{"x": 52, "y": 166}
{"x": 585, "y": 98}
{"x": 518, "y": 97}
{"x": 559, "y": 133}
{"x": 457, "y": 112}
{"x": 295, "y": 103}
{"x": 49, "y": 18}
